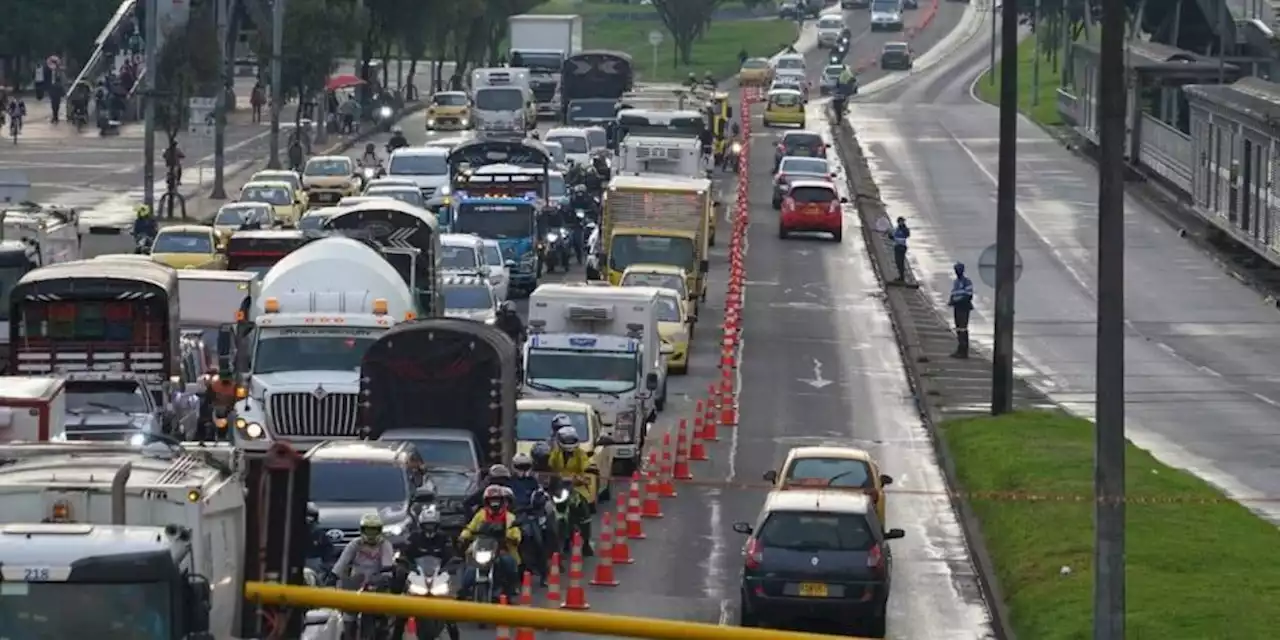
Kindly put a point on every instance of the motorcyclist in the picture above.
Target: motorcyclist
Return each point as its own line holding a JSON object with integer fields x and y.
{"x": 495, "y": 514}
{"x": 708, "y": 80}
{"x": 321, "y": 547}
{"x": 368, "y": 554}
{"x": 601, "y": 166}
{"x": 734, "y": 147}
{"x": 691, "y": 81}
{"x": 573, "y": 464}
{"x": 509, "y": 322}
{"x": 497, "y": 476}
{"x": 397, "y": 141}
{"x": 580, "y": 198}
{"x": 144, "y": 224}
{"x": 844, "y": 88}
{"x": 427, "y": 539}
{"x": 370, "y": 157}
{"x": 707, "y": 139}
{"x": 530, "y": 499}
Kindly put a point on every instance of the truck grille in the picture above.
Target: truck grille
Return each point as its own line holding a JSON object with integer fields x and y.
{"x": 544, "y": 92}
{"x": 305, "y": 415}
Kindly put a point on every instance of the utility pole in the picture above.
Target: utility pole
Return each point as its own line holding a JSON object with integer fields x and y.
{"x": 1035, "y": 65}
{"x": 1109, "y": 441}
{"x": 277, "y": 86}
{"x": 151, "y": 29}
{"x": 1222, "y": 41}
{"x": 1065, "y": 69}
{"x": 991, "y": 77}
{"x": 222, "y": 12}
{"x": 1006, "y": 213}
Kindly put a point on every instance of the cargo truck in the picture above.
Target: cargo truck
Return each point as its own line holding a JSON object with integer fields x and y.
{"x": 541, "y": 43}
{"x": 407, "y": 236}
{"x": 600, "y": 344}
{"x": 658, "y": 219}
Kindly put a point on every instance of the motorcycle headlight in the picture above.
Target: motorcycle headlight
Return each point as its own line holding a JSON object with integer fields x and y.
{"x": 444, "y": 191}
{"x": 440, "y": 586}
{"x": 561, "y": 497}
{"x": 385, "y": 112}
{"x": 484, "y": 556}
{"x": 551, "y": 237}
{"x": 737, "y": 147}
{"x": 417, "y": 590}
{"x": 431, "y": 122}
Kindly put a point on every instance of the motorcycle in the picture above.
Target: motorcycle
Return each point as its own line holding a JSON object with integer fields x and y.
{"x": 557, "y": 253}
{"x": 428, "y": 578}
{"x": 368, "y": 174}
{"x": 482, "y": 560}
{"x": 538, "y": 534}
{"x": 382, "y": 117}
{"x": 578, "y": 239}
{"x": 731, "y": 157}
{"x": 80, "y": 118}
{"x": 564, "y": 500}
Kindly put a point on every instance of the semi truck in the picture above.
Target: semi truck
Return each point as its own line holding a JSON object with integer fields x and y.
{"x": 314, "y": 316}
{"x": 541, "y": 43}
{"x": 658, "y": 219}
{"x": 145, "y": 541}
{"x": 407, "y": 236}
{"x": 600, "y": 344}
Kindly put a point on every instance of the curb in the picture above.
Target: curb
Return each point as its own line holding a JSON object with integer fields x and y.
{"x": 871, "y": 210}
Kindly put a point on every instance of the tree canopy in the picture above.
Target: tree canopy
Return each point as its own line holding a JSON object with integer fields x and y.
{"x": 687, "y": 20}
{"x": 31, "y": 31}
{"x": 316, "y": 34}
{"x": 188, "y": 67}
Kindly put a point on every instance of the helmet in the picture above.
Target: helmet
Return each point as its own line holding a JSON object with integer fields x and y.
{"x": 560, "y": 422}
{"x": 371, "y": 528}
{"x": 692, "y": 76}
{"x": 498, "y": 471}
{"x": 495, "y": 498}
{"x": 567, "y": 438}
{"x": 522, "y": 464}
{"x": 143, "y": 211}
{"x": 579, "y": 188}
{"x": 397, "y": 131}
{"x": 313, "y": 513}
{"x": 708, "y": 74}
{"x": 369, "y": 148}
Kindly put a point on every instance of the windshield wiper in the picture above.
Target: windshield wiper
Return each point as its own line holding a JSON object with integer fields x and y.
{"x": 109, "y": 407}
{"x": 613, "y": 394}
{"x": 546, "y": 387}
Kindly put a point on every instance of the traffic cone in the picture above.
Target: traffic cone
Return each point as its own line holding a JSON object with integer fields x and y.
{"x": 526, "y": 590}
{"x": 698, "y": 452}
{"x": 728, "y": 410}
{"x": 709, "y": 423}
{"x": 575, "y": 597}
{"x": 682, "y": 470}
{"x": 504, "y": 633}
{"x": 411, "y": 627}
{"x": 634, "y": 530}
{"x": 651, "y": 507}
{"x": 621, "y": 550}
{"x": 604, "y": 564}
{"x": 525, "y": 633}
{"x": 666, "y": 488}
{"x": 553, "y": 579}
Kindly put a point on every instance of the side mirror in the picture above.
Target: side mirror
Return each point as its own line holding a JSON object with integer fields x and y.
{"x": 771, "y": 476}
{"x": 743, "y": 528}
{"x": 729, "y": 112}
{"x": 651, "y": 382}
{"x": 886, "y": 480}
{"x": 704, "y": 266}
{"x": 424, "y": 495}
{"x": 844, "y": 200}
{"x": 605, "y": 441}
{"x": 895, "y": 534}
{"x": 666, "y": 349}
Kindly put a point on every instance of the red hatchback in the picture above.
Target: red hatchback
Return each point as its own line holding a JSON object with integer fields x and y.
{"x": 812, "y": 206}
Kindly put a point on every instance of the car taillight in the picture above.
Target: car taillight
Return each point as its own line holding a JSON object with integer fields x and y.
{"x": 834, "y": 207}
{"x": 788, "y": 204}
{"x": 753, "y": 555}
{"x": 875, "y": 560}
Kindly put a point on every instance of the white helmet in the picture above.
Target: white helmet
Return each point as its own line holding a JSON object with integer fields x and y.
{"x": 567, "y": 439}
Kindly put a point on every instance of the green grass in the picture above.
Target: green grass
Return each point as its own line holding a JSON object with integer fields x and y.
{"x": 1046, "y": 112}
{"x": 716, "y": 51}
{"x": 1199, "y": 568}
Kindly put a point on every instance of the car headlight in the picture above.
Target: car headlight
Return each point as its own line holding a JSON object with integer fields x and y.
{"x": 444, "y": 191}
{"x": 137, "y": 440}
{"x": 252, "y": 430}
{"x": 465, "y": 122}
{"x": 431, "y": 122}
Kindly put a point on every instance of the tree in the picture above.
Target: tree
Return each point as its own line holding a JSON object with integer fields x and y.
{"x": 31, "y": 31}
{"x": 687, "y": 20}
{"x": 187, "y": 67}
{"x": 316, "y": 33}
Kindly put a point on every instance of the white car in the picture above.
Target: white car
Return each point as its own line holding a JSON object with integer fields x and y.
{"x": 499, "y": 269}
{"x": 556, "y": 150}
{"x": 886, "y": 15}
{"x": 427, "y": 167}
{"x": 792, "y": 63}
{"x": 830, "y": 28}
{"x": 470, "y": 297}
{"x": 575, "y": 141}
{"x": 463, "y": 253}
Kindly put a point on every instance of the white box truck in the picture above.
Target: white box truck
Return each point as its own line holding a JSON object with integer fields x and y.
{"x": 541, "y": 43}
{"x": 600, "y": 344}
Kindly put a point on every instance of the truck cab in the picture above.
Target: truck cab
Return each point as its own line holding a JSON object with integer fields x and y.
{"x": 601, "y": 345}
{"x": 659, "y": 219}
{"x": 669, "y": 156}
{"x": 503, "y": 101}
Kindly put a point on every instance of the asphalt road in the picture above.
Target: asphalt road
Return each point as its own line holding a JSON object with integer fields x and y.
{"x": 1203, "y": 361}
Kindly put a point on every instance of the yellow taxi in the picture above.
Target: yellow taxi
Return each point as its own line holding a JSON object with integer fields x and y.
{"x": 328, "y": 179}
{"x": 755, "y": 72}
{"x": 283, "y": 175}
{"x": 663, "y": 276}
{"x": 533, "y": 425}
{"x": 675, "y": 326}
{"x": 784, "y": 106}
{"x": 231, "y": 216}
{"x": 835, "y": 467}
{"x": 189, "y": 246}
{"x": 279, "y": 195}
{"x": 449, "y": 110}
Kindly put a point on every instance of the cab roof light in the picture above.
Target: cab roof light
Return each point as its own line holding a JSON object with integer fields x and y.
{"x": 380, "y": 307}
{"x": 271, "y": 305}
{"x": 409, "y": 315}
{"x": 193, "y": 496}
{"x": 60, "y": 512}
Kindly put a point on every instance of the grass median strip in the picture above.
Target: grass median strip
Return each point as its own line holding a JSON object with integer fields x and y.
{"x": 1198, "y": 566}
{"x": 1045, "y": 111}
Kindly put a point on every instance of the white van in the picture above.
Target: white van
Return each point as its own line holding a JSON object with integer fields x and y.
{"x": 427, "y": 167}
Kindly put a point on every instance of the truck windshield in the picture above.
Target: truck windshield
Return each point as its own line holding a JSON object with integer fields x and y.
{"x": 97, "y": 396}
{"x": 545, "y": 62}
{"x": 884, "y": 6}
{"x": 458, "y": 258}
{"x": 115, "y": 611}
{"x": 9, "y": 276}
{"x": 505, "y": 99}
{"x": 495, "y": 221}
{"x": 590, "y": 110}
{"x": 357, "y": 482}
{"x": 612, "y": 372}
{"x": 467, "y": 298}
{"x": 296, "y": 349}
{"x": 628, "y": 250}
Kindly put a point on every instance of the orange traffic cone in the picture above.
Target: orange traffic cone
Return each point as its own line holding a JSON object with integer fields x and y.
{"x": 650, "y": 507}
{"x": 696, "y": 450}
{"x": 634, "y": 531}
{"x": 621, "y": 550}
{"x": 411, "y": 627}
{"x": 709, "y": 422}
{"x": 728, "y": 410}
{"x": 682, "y": 471}
{"x": 525, "y": 633}
{"x": 576, "y": 596}
{"x": 526, "y": 589}
{"x": 604, "y": 564}
{"x": 504, "y": 633}
{"x": 653, "y": 478}
{"x": 666, "y": 487}
{"x": 553, "y": 579}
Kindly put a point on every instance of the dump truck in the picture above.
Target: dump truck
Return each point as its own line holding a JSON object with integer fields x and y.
{"x": 658, "y": 219}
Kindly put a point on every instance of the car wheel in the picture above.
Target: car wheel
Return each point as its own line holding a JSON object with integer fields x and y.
{"x": 745, "y": 617}
{"x": 777, "y": 204}
{"x": 838, "y": 236}
{"x": 876, "y": 626}
{"x": 782, "y": 232}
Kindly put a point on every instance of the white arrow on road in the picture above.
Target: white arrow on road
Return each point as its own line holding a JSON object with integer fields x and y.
{"x": 817, "y": 382}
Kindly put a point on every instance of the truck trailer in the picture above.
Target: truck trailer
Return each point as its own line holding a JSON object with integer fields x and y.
{"x": 541, "y": 43}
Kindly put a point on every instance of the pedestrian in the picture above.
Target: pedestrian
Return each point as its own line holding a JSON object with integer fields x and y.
{"x": 56, "y": 93}
{"x": 350, "y": 113}
{"x": 900, "y": 234}
{"x": 961, "y": 302}
{"x": 136, "y": 44}
{"x": 295, "y": 154}
{"x": 257, "y": 98}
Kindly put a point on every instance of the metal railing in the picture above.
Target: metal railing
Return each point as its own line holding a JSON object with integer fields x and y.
{"x": 281, "y": 595}
{"x": 1166, "y": 151}
{"x": 90, "y": 67}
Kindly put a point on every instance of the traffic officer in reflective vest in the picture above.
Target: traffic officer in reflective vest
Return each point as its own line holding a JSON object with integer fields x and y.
{"x": 961, "y": 302}
{"x": 899, "y": 235}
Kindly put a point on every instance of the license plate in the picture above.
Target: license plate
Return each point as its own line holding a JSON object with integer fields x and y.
{"x": 813, "y": 590}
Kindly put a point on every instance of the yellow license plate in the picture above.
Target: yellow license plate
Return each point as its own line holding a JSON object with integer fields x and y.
{"x": 813, "y": 589}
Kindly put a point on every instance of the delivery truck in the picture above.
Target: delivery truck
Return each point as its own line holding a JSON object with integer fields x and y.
{"x": 658, "y": 219}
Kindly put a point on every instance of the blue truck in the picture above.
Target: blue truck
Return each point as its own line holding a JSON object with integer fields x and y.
{"x": 513, "y": 222}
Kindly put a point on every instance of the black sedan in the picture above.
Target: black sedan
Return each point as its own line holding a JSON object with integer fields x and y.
{"x": 817, "y": 556}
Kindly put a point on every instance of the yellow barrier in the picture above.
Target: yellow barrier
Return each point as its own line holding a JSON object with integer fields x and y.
{"x": 509, "y": 616}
